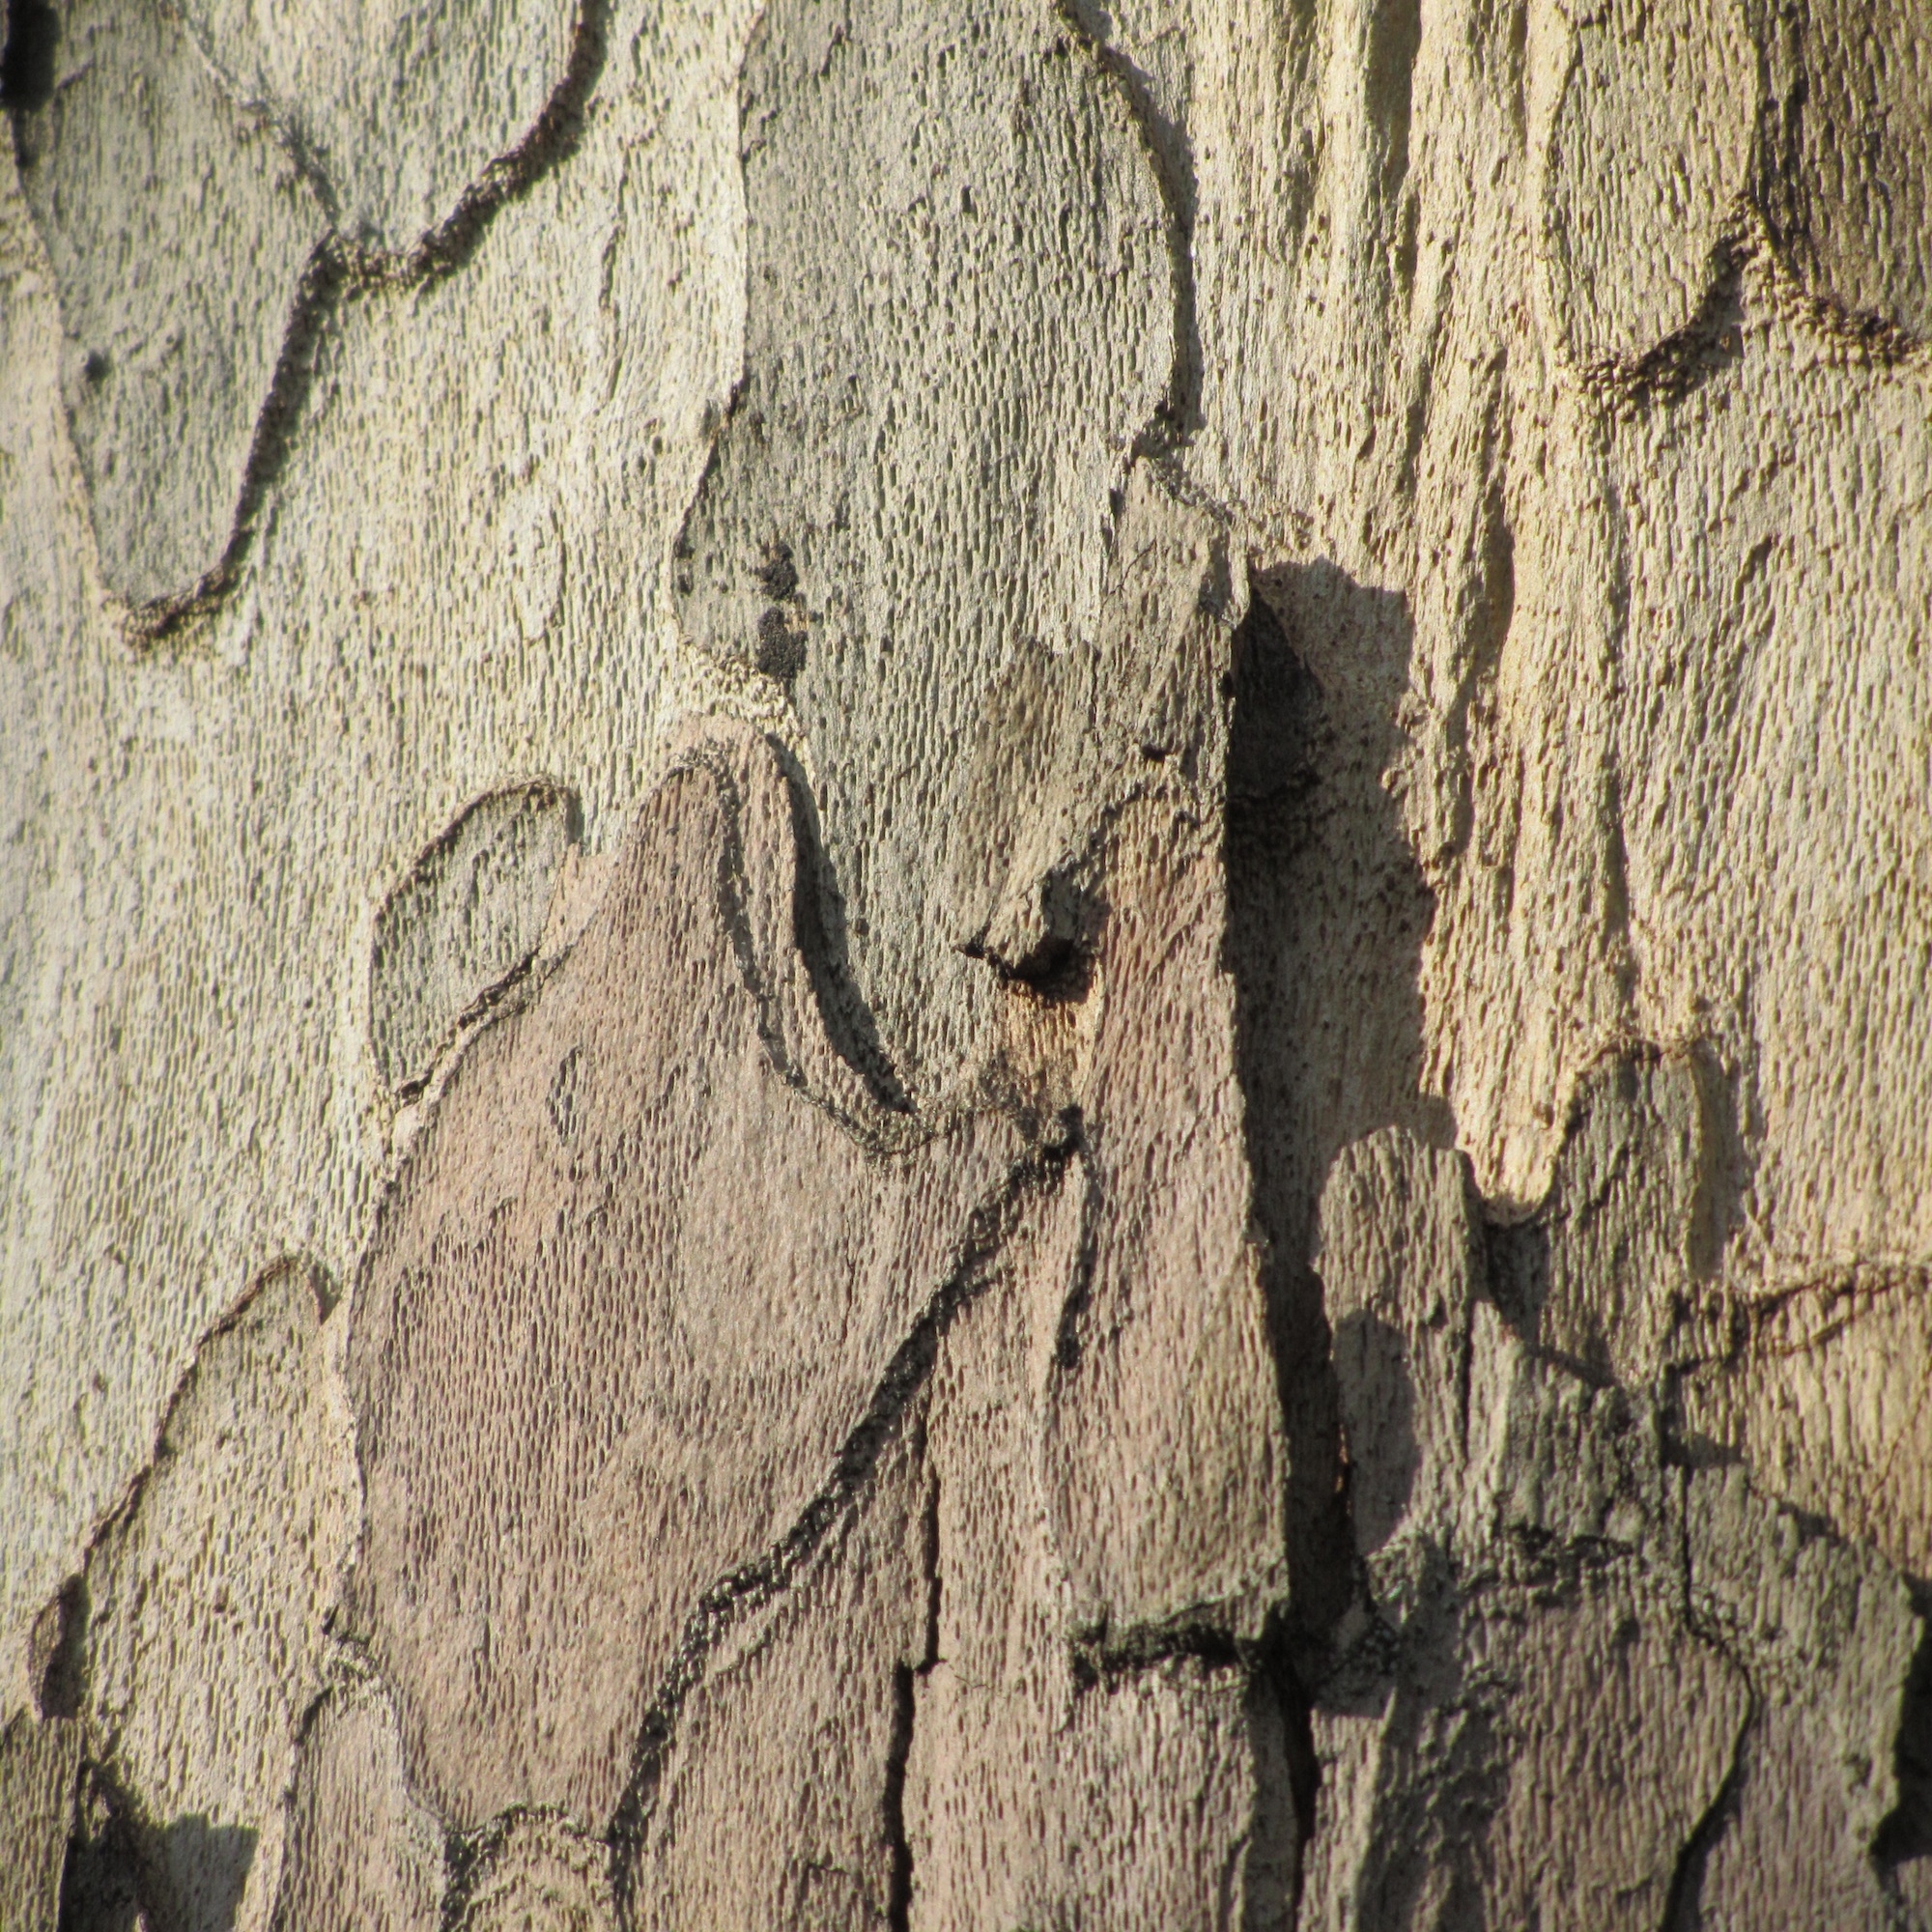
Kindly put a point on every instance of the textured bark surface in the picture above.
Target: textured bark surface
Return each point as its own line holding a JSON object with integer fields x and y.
{"x": 966, "y": 968}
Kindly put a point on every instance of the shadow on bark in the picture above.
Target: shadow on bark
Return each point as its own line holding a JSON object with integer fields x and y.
{"x": 185, "y": 1877}
{"x": 27, "y": 62}
{"x": 1906, "y": 1835}
{"x": 1327, "y": 911}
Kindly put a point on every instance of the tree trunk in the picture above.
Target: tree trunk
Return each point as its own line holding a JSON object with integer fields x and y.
{"x": 966, "y": 968}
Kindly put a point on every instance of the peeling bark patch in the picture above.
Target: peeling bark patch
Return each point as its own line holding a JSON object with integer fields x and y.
{"x": 908, "y": 271}
{"x": 1554, "y": 1606}
{"x": 1024, "y": 1774}
{"x": 463, "y": 923}
{"x": 794, "y": 1702}
{"x": 1581, "y": 701}
{"x": 1633, "y": 1230}
{"x": 180, "y": 1788}
{"x": 1651, "y": 148}
{"x": 1170, "y": 156}
{"x": 1588, "y": 1741}
{"x": 1826, "y": 1636}
{"x": 1847, "y": 166}
{"x": 188, "y": 340}
{"x": 1827, "y": 1390}
{"x": 359, "y": 1850}
{"x": 174, "y": 314}
{"x": 754, "y": 1585}
{"x": 594, "y": 1376}
{"x": 397, "y": 124}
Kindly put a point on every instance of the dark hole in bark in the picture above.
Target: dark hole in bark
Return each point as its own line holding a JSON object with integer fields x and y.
{"x": 58, "y": 1653}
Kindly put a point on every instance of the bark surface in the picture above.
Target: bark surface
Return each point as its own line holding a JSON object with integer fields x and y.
{"x": 966, "y": 968}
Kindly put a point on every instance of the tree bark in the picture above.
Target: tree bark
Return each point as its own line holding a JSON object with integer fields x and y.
{"x": 966, "y": 968}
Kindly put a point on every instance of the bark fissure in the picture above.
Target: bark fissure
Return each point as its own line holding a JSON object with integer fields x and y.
{"x": 752, "y": 1585}
{"x": 1683, "y": 1904}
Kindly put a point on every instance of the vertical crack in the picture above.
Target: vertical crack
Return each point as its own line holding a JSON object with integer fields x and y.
{"x": 1304, "y": 1770}
{"x": 898, "y": 1753}
{"x": 933, "y": 1584}
{"x": 725, "y": 1604}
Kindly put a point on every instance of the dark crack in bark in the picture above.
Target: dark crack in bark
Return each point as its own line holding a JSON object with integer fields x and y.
{"x": 1682, "y": 1909}
{"x": 752, "y": 1584}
